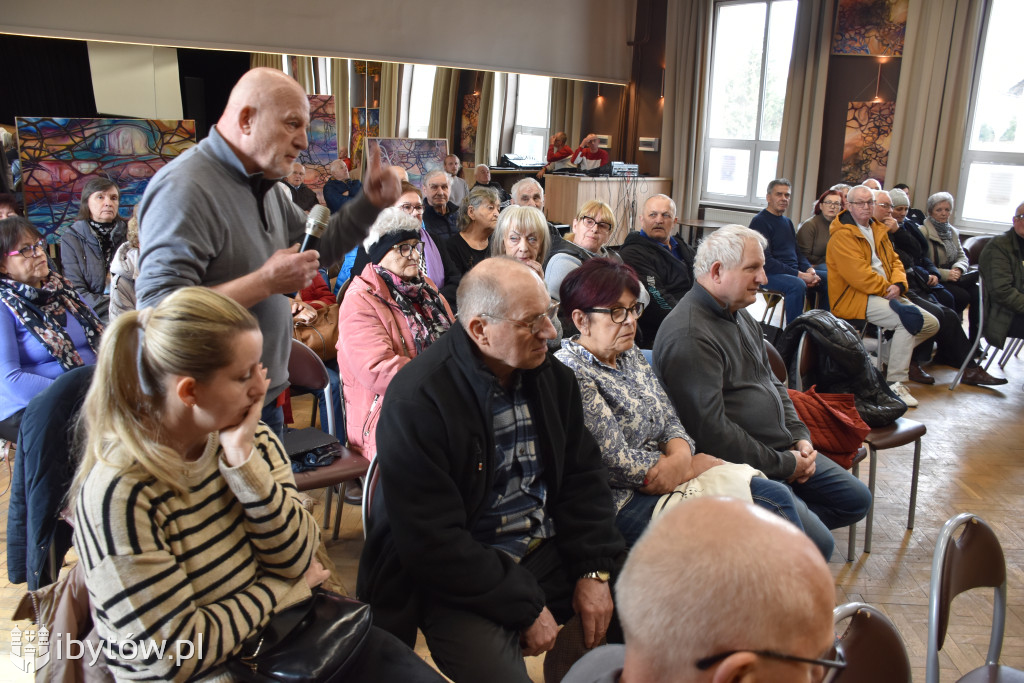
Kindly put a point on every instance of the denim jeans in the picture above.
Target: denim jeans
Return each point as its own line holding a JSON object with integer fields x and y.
{"x": 273, "y": 417}
{"x": 795, "y": 291}
{"x": 832, "y": 498}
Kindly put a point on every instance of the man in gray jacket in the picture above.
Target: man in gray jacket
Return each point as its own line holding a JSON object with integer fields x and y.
{"x": 218, "y": 217}
{"x": 710, "y": 355}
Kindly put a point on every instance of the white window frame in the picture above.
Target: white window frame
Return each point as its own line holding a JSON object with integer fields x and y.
{"x": 544, "y": 133}
{"x": 755, "y": 146}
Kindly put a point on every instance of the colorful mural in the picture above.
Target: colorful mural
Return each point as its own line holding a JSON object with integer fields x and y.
{"x": 58, "y": 156}
{"x": 416, "y": 156}
{"x": 470, "y": 117}
{"x": 323, "y": 143}
{"x": 866, "y": 148}
{"x": 365, "y": 123}
{"x": 870, "y": 27}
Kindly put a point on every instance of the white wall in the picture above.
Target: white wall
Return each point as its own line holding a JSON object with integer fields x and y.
{"x": 582, "y": 39}
{"x": 135, "y": 80}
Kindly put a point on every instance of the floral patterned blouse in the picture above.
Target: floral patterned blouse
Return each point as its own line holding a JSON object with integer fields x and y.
{"x": 627, "y": 411}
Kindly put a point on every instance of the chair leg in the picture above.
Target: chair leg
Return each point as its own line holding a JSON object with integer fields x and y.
{"x": 327, "y": 506}
{"x": 872, "y": 468}
{"x": 337, "y": 515}
{"x": 913, "y": 484}
{"x": 851, "y": 546}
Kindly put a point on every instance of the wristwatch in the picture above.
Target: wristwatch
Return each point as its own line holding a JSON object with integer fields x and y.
{"x": 603, "y": 577}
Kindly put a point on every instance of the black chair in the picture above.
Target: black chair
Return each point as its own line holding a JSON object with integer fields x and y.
{"x": 872, "y": 646}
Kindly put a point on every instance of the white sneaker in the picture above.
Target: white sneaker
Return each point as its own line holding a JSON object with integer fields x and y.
{"x": 904, "y": 394}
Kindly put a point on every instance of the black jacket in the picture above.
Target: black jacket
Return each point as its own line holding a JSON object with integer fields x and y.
{"x": 435, "y": 451}
{"x": 440, "y": 227}
{"x": 912, "y": 248}
{"x": 665, "y": 277}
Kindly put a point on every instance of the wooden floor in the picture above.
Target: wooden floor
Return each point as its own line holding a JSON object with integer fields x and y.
{"x": 972, "y": 460}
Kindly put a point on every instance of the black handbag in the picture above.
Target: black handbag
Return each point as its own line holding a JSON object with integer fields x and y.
{"x": 315, "y": 640}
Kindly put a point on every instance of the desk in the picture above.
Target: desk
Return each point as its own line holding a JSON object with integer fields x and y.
{"x": 565, "y": 193}
{"x": 699, "y": 225}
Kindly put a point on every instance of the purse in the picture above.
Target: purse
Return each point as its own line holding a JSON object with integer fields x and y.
{"x": 321, "y": 333}
{"x": 315, "y": 640}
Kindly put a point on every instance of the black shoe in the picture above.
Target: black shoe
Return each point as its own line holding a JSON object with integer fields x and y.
{"x": 353, "y": 493}
{"x": 917, "y": 374}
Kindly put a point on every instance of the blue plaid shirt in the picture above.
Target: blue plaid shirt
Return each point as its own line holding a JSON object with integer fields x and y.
{"x": 515, "y": 516}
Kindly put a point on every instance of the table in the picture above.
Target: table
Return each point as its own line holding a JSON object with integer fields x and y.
{"x": 564, "y": 194}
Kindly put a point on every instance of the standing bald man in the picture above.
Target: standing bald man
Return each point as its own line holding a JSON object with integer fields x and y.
{"x": 217, "y": 216}
{"x": 767, "y": 619}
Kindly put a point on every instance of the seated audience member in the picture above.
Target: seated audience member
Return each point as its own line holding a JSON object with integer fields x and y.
{"x": 303, "y": 197}
{"x": 390, "y": 314}
{"x": 788, "y": 270}
{"x": 1002, "y": 267}
{"x": 343, "y": 155}
{"x": 88, "y": 246}
{"x": 478, "y": 217}
{"x": 341, "y": 188}
{"x": 812, "y": 235}
{"x": 663, "y": 263}
{"x": 711, "y": 358}
{"x": 124, "y": 268}
{"x": 589, "y": 154}
{"x": 528, "y": 192}
{"x": 173, "y": 435}
{"x": 843, "y": 189}
{"x": 8, "y": 206}
{"x": 483, "y": 179}
{"x": 872, "y": 184}
{"x": 591, "y": 230}
{"x": 643, "y": 444}
{"x": 948, "y": 255}
{"x": 869, "y": 283}
{"x": 440, "y": 216}
{"x": 916, "y": 215}
{"x": 687, "y": 621}
{"x": 522, "y": 233}
{"x": 45, "y": 327}
{"x": 559, "y": 152}
{"x": 494, "y": 521}
{"x": 922, "y": 278}
{"x": 457, "y": 187}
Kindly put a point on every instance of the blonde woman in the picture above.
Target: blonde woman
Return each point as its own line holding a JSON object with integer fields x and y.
{"x": 522, "y": 233}
{"x": 591, "y": 230}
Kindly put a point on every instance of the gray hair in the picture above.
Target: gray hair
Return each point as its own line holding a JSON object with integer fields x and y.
{"x": 839, "y": 187}
{"x": 526, "y": 220}
{"x": 725, "y": 245}
{"x": 899, "y": 198}
{"x": 671, "y": 202}
{"x": 860, "y": 190}
{"x": 937, "y": 199}
{"x": 477, "y": 196}
{"x": 525, "y": 182}
{"x": 778, "y": 181}
{"x": 389, "y": 220}
{"x": 483, "y": 291}
{"x": 430, "y": 174}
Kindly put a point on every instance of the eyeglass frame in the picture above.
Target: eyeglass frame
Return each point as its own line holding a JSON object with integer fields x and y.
{"x": 1019, "y": 217}
{"x": 835, "y": 204}
{"x": 865, "y": 202}
{"x": 418, "y": 248}
{"x": 413, "y": 208}
{"x": 832, "y": 666}
{"x": 591, "y": 222}
{"x": 34, "y": 249}
{"x": 549, "y": 314}
{"x": 636, "y": 309}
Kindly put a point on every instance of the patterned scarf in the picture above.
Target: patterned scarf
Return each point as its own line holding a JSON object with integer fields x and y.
{"x": 945, "y": 233}
{"x": 420, "y": 304}
{"x": 43, "y": 312}
{"x": 102, "y": 232}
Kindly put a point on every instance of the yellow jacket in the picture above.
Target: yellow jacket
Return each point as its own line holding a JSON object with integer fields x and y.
{"x": 850, "y": 277}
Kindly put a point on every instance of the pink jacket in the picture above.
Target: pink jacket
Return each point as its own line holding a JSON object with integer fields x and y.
{"x": 374, "y": 342}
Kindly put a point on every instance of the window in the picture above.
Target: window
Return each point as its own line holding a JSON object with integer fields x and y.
{"x": 749, "y": 68}
{"x": 992, "y": 175}
{"x": 532, "y": 117}
{"x": 420, "y": 98}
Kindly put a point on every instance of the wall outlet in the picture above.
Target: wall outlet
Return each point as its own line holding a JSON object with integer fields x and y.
{"x": 649, "y": 144}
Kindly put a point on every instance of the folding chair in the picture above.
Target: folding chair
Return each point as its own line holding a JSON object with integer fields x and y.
{"x": 872, "y": 646}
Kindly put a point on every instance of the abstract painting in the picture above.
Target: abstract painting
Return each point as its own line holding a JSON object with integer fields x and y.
{"x": 416, "y": 156}
{"x": 365, "y": 123}
{"x": 470, "y": 118}
{"x": 866, "y": 148}
{"x": 323, "y": 143}
{"x": 59, "y": 156}
{"x": 870, "y": 27}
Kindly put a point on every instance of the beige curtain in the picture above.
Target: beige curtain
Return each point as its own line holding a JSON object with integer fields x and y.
{"x": 303, "y": 73}
{"x": 257, "y": 59}
{"x": 443, "y": 105}
{"x": 567, "y": 108}
{"x": 939, "y": 59}
{"x": 804, "y": 109}
{"x": 688, "y": 37}
{"x": 342, "y": 101}
{"x": 390, "y": 87}
{"x": 485, "y": 119}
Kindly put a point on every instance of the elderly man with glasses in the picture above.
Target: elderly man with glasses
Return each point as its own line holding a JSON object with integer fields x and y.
{"x": 1002, "y": 269}
{"x": 494, "y": 521}
{"x": 869, "y": 283}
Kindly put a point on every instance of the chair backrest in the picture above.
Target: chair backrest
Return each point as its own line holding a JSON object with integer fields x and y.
{"x": 872, "y": 645}
{"x": 369, "y": 492}
{"x": 974, "y": 246}
{"x": 775, "y": 361}
{"x": 306, "y": 370}
{"x": 972, "y": 560}
{"x": 806, "y": 359}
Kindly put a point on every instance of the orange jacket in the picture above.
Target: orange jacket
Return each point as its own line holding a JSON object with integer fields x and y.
{"x": 850, "y": 277}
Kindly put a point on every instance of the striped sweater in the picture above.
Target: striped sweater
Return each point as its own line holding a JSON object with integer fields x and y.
{"x": 216, "y": 561}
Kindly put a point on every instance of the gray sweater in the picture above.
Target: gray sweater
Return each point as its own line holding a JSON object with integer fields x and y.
{"x": 201, "y": 224}
{"x": 715, "y": 368}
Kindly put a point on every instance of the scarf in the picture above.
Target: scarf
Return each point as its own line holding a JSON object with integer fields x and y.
{"x": 945, "y": 233}
{"x": 420, "y": 304}
{"x": 43, "y": 311}
{"x": 102, "y": 232}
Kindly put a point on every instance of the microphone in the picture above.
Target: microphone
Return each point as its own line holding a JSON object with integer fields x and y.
{"x": 316, "y": 223}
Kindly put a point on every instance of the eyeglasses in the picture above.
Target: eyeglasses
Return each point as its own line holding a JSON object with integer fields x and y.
{"x": 832, "y": 204}
{"x": 407, "y": 250}
{"x": 534, "y": 325}
{"x": 619, "y": 313}
{"x": 31, "y": 250}
{"x": 866, "y": 202}
{"x": 887, "y": 207}
{"x": 832, "y": 666}
{"x": 513, "y": 239}
{"x": 1019, "y": 217}
{"x": 601, "y": 225}
{"x": 411, "y": 208}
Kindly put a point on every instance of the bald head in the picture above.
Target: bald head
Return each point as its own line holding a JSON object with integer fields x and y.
{"x": 685, "y": 594}
{"x": 265, "y": 121}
